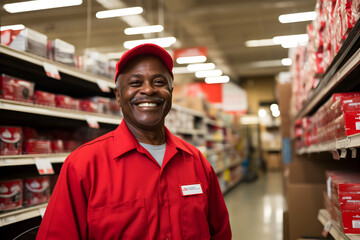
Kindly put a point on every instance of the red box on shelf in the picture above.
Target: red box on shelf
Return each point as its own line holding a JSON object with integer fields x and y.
{"x": 45, "y": 98}
{"x": 57, "y": 146}
{"x": 88, "y": 105}
{"x": 10, "y": 140}
{"x": 349, "y": 201}
{"x": 71, "y": 145}
{"x": 64, "y": 101}
{"x": 11, "y": 194}
{"x": 351, "y": 222}
{"x": 352, "y": 123}
{"x": 16, "y": 89}
{"x": 37, "y": 146}
{"x": 36, "y": 190}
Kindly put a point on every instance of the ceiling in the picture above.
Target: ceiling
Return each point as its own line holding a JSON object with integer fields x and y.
{"x": 221, "y": 26}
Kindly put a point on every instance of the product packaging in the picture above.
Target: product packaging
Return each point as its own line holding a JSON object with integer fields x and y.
{"x": 11, "y": 194}
{"x": 10, "y": 140}
{"x": 36, "y": 190}
{"x": 61, "y": 51}
{"x": 88, "y": 105}
{"x": 45, "y": 98}
{"x": 31, "y": 41}
{"x": 64, "y": 101}
{"x": 16, "y": 89}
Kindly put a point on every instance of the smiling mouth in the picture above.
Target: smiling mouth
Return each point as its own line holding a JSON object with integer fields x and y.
{"x": 147, "y": 105}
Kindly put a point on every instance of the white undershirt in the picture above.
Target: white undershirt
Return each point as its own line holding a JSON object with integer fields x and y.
{"x": 157, "y": 151}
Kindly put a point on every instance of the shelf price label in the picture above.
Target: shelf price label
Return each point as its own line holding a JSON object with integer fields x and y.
{"x": 103, "y": 86}
{"x": 44, "y": 166}
{"x": 42, "y": 211}
{"x": 92, "y": 122}
{"x": 51, "y": 71}
{"x": 326, "y": 229}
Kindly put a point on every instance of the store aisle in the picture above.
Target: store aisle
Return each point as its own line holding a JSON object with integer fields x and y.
{"x": 256, "y": 209}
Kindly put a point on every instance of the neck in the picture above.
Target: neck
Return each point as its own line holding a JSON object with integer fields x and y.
{"x": 152, "y": 135}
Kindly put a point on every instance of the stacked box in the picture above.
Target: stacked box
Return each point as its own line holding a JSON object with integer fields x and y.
{"x": 12, "y": 88}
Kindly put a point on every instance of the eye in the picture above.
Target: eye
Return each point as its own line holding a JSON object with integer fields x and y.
{"x": 135, "y": 83}
{"x": 160, "y": 82}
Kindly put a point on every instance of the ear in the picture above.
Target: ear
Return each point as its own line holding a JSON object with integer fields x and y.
{"x": 117, "y": 95}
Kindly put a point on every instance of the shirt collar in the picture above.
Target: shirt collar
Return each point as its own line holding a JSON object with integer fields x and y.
{"x": 124, "y": 141}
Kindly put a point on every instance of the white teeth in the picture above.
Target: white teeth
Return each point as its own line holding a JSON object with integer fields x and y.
{"x": 147, "y": 105}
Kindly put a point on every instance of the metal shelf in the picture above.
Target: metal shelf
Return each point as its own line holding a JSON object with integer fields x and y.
{"x": 39, "y": 61}
{"x": 21, "y": 214}
{"x": 338, "y": 144}
{"x": 335, "y": 75}
{"x": 335, "y": 230}
{"x": 29, "y": 159}
{"x": 57, "y": 112}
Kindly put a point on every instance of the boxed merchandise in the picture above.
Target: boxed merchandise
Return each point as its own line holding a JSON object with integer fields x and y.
{"x": 103, "y": 104}
{"x": 57, "y": 146}
{"x": 45, "y": 98}
{"x": 7, "y": 36}
{"x": 11, "y": 194}
{"x": 31, "y": 41}
{"x": 96, "y": 63}
{"x": 88, "y": 105}
{"x": 114, "y": 107}
{"x": 10, "y": 140}
{"x": 71, "y": 145}
{"x": 16, "y": 89}
{"x": 36, "y": 190}
{"x": 37, "y": 146}
{"x": 61, "y": 51}
{"x": 64, "y": 101}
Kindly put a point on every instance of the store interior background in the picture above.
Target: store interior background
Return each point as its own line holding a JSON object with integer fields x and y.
{"x": 259, "y": 80}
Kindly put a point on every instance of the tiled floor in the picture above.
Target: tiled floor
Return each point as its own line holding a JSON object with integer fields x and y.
{"x": 256, "y": 208}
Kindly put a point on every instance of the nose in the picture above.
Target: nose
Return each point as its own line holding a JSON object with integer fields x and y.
{"x": 147, "y": 88}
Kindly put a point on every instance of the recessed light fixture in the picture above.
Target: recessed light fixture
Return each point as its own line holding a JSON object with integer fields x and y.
{"x": 200, "y": 67}
{"x": 208, "y": 73}
{"x": 286, "y": 61}
{"x": 297, "y": 17}
{"x": 260, "y": 43}
{"x": 143, "y": 30}
{"x": 162, "y": 42}
{"x": 119, "y": 12}
{"x": 39, "y": 5}
{"x": 193, "y": 59}
{"x": 220, "y": 79}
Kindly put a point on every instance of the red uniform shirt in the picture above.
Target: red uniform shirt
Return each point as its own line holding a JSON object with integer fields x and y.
{"x": 112, "y": 188}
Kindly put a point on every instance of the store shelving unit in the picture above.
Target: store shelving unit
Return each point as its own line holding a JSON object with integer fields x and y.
{"x": 29, "y": 159}
{"x": 310, "y": 163}
{"x": 22, "y": 214}
{"x": 335, "y": 230}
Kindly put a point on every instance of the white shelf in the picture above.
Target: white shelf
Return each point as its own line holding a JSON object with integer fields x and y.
{"x": 338, "y": 144}
{"x": 336, "y": 79}
{"x": 21, "y": 160}
{"x": 38, "y": 60}
{"x": 335, "y": 230}
{"x": 57, "y": 112}
{"x": 21, "y": 214}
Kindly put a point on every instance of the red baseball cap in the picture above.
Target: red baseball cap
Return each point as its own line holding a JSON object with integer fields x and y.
{"x": 146, "y": 48}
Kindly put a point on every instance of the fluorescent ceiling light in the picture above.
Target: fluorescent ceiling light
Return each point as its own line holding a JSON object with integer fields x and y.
{"x": 208, "y": 73}
{"x": 297, "y": 17}
{"x": 162, "y": 42}
{"x": 260, "y": 43}
{"x": 291, "y": 38}
{"x": 221, "y": 79}
{"x": 39, "y": 5}
{"x": 286, "y": 61}
{"x": 193, "y": 59}
{"x": 180, "y": 70}
{"x": 200, "y": 67}
{"x": 12, "y": 27}
{"x": 142, "y": 30}
{"x": 119, "y": 12}
{"x": 274, "y": 107}
{"x": 276, "y": 113}
{"x": 262, "y": 113}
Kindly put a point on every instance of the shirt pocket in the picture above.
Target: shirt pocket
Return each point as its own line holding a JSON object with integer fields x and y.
{"x": 122, "y": 220}
{"x": 194, "y": 211}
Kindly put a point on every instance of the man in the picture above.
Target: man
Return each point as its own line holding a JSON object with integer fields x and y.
{"x": 139, "y": 181}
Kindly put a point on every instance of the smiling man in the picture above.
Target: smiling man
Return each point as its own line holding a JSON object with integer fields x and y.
{"x": 139, "y": 181}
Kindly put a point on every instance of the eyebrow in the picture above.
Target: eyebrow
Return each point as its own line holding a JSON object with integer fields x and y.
{"x": 138, "y": 75}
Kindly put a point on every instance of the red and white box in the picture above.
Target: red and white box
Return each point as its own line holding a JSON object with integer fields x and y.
{"x": 88, "y": 105}
{"x": 11, "y": 194}
{"x": 68, "y": 102}
{"x": 16, "y": 89}
{"x": 57, "y": 146}
{"x": 31, "y": 41}
{"x": 103, "y": 104}
{"x": 8, "y": 36}
{"x": 10, "y": 140}
{"x": 36, "y": 190}
{"x": 61, "y": 51}
{"x": 351, "y": 222}
{"x": 45, "y": 98}
{"x": 37, "y": 146}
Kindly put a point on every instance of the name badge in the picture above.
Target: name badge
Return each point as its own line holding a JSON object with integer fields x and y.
{"x": 193, "y": 189}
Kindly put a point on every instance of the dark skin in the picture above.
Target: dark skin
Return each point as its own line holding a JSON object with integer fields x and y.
{"x": 145, "y": 96}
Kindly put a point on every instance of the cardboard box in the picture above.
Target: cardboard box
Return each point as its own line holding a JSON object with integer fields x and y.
{"x": 31, "y": 41}
{"x": 273, "y": 160}
{"x": 286, "y": 225}
{"x": 284, "y": 92}
{"x": 304, "y": 202}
